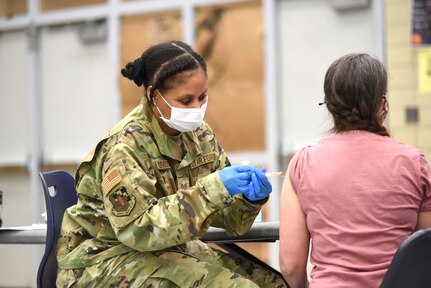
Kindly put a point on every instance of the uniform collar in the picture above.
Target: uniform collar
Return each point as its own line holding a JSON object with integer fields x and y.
{"x": 172, "y": 146}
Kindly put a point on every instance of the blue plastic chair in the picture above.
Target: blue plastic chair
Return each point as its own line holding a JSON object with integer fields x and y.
{"x": 62, "y": 195}
{"x": 411, "y": 265}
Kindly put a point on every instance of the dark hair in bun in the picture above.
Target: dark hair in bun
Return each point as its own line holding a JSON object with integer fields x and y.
{"x": 162, "y": 62}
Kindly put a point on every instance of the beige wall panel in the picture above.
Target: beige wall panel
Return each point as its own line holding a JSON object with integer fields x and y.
{"x": 425, "y": 116}
{"x": 424, "y": 137}
{"x": 406, "y": 135}
{"x": 401, "y": 57}
{"x": 397, "y": 106}
{"x": 401, "y": 97}
{"x": 396, "y": 117}
{"x": 398, "y": 36}
{"x": 402, "y": 78}
{"x": 424, "y": 99}
{"x": 395, "y": 3}
{"x": 396, "y": 14}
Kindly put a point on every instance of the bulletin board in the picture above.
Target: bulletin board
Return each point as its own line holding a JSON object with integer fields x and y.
{"x": 235, "y": 66}
{"x": 139, "y": 32}
{"x": 10, "y": 8}
{"x": 235, "y": 70}
{"x": 421, "y": 23}
{"x": 61, "y": 4}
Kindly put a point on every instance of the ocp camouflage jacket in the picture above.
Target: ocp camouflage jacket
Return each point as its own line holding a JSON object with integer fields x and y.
{"x": 143, "y": 190}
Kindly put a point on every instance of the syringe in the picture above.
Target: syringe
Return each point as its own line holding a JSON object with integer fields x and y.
{"x": 273, "y": 174}
{"x": 267, "y": 174}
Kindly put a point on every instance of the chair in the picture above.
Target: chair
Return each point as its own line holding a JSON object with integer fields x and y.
{"x": 60, "y": 193}
{"x": 411, "y": 265}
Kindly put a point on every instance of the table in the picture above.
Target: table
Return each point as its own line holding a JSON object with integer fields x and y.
{"x": 259, "y": 232}
{"x": 22, "y": 235}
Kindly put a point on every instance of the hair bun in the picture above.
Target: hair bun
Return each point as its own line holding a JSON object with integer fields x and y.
{"x": 134, "y": 71}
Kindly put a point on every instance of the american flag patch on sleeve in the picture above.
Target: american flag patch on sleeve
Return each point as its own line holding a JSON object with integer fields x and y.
{"x": 111, "y": 180}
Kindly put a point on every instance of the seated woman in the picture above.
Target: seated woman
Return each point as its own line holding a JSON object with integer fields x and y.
{"x": 356, "y": 194}
{"x": 155, "y": 184}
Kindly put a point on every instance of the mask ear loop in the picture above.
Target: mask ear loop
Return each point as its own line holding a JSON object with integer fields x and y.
{"x": 164, "y": 99}
{"x": 157, "y": 106}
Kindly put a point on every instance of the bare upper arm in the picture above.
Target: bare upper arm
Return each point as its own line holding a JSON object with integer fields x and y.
{"x": 424, "y": 220}
{"x": 294, "y": 235}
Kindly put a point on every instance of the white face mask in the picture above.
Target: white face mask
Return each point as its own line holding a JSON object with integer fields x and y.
{"x": 184, "y": 119}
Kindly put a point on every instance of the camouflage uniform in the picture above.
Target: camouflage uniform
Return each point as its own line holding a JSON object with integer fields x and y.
{"x": 144, "y": 198}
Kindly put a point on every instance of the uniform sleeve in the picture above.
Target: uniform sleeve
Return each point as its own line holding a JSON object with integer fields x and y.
{"x": 142, "y": 221}
{"x": 425, "y": 180}
{"x": 237, "y": 217}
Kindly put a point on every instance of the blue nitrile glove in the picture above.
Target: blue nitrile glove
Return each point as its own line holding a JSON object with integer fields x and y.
{"x": 237, "y": 178}
{"x": 259, "y": 187}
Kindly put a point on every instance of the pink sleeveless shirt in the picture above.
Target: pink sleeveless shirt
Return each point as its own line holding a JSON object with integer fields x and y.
{"x": 361, "y": 194}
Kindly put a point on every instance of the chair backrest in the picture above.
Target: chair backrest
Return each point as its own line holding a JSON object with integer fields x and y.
{"x": 60, "y": 193}
{"x": 411, "y": 265}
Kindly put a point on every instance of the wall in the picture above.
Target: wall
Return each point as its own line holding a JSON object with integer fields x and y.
{"x": 75, "y": 98}
{"x": 403, "y": 63}
{"x": 13, "y": 101}
{"x": 312, "y": 34}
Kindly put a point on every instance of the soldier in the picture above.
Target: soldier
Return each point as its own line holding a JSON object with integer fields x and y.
{"x": 155, "y": 184}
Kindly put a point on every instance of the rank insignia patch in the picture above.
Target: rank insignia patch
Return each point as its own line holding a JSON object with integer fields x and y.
{"x": 183, "y": 183}
{"x": 122, "y": 202}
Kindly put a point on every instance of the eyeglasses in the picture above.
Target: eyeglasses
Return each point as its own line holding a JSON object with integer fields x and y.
{"x": 386, "y": 109}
